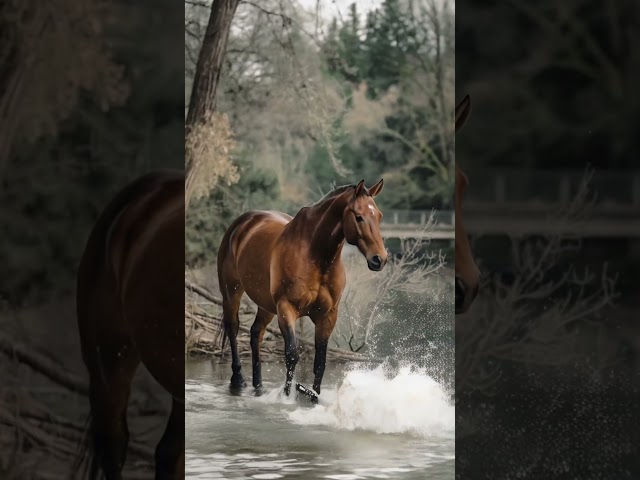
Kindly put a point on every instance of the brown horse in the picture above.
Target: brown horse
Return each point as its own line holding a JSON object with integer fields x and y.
{"x": 130, "y": 310}
{"x": 292, "y": 267}
{"x": 467, "y": 279}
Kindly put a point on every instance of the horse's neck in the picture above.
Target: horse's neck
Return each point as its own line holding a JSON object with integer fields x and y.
{"x": 327, "y": 236}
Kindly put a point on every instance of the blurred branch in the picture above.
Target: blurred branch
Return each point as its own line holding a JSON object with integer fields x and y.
{"x": 42, "y": 365}
{"x": 578, "y": 39}
{"x": 367, "y": 292}
{"x": 286, "y": 20}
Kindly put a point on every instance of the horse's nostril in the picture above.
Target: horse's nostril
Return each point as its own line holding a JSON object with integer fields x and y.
{"x": 460, "y": 294}
{"x": 475, "y": 292}
{"x": 376, "y": 262}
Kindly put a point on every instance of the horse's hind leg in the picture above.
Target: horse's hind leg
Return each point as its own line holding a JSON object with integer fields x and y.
{"x": 111, "y": 368}
{"x": 231, "y": 294}
{"x": 169, "y": 454}
{"x": 263, "y": 318}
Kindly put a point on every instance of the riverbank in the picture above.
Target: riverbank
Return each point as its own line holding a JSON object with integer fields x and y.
{"x": 44, "y": 403}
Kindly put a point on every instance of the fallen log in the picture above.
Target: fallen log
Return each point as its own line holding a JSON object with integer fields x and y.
{"x": 43, "y": 365}
{"x": 209, "y": 295}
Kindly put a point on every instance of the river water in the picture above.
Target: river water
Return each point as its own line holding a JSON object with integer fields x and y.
{"x": 394, "y": 420}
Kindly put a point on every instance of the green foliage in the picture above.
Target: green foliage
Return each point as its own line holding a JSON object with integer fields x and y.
{"x": 389, "y": 53}
{"x": 388, "y": 47}
{"x": 374, "y": 95}
{"x": 209, "y": 217}
{"x": 535, "y": 122}
{"x": 54, "y": 187}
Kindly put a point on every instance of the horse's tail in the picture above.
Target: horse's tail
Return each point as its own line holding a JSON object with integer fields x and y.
{"x": 225, "y": 249}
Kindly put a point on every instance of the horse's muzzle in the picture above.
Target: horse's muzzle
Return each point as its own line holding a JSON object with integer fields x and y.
{"x": 464, "y": 297}
{"x": 376, "y": 263}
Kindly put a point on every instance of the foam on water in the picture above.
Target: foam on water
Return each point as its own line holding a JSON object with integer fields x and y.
{"x": 277, "y": 396}
{"x": 410, "y": 402}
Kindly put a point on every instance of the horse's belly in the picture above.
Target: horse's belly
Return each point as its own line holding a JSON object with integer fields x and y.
{"x": 257, "y": 289}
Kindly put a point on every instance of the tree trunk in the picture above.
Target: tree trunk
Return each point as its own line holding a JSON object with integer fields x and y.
{"x": 205, "y": 82}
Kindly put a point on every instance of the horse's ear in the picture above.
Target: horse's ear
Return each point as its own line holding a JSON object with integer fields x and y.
{"x": 359, "y": 188}
{"x": 462, "y": 112}
{"x": 377, "y": 188}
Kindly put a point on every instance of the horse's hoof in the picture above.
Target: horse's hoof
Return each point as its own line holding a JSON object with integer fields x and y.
{"x": 257, "y": 385}
{"x": 237, "y": 381}
{"x": 309, "y": 394}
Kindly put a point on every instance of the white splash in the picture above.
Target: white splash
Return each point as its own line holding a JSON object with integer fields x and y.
{"x": 277, "y": 395}
{"x": 410, "y": 403}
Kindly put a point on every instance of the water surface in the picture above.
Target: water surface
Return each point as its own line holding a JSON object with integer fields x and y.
{"x": 369, "y": 424}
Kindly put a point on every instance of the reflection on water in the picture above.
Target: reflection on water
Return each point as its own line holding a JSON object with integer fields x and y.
{"x": 367, "y": 425}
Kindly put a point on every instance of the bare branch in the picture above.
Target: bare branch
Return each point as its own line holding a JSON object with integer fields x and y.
{"x": 286, "y": 20}
{"x": 532, "y": 319}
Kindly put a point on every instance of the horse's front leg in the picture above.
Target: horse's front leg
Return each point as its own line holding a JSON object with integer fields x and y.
{"x": 324, "y": 327}
{"x": 287, "y": 316}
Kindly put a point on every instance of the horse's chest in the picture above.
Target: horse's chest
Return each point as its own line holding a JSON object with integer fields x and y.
{"x": 328, "y": 290}
{"x": 332, "y": 284}
{"x": 321, "y": 293}
{"x": 328, "y": 296}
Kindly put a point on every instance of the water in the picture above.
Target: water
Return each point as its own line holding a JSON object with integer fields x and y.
{"x": 395, "y": 421}
{"x": 370, "y": 423}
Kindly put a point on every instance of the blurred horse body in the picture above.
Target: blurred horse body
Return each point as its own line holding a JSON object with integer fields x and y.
{"x": 292, "y": 267}
{"x": 130, "y": 310}
{"x": 467, "y": 274}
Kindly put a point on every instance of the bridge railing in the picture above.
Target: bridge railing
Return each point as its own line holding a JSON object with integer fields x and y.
{"x": 417, "y": 218}
{"x": 551, "y": 187}
{"x": 525, "y": 191}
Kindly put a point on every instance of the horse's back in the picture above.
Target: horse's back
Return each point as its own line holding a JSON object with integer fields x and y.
{"x": 244, "y": 256}
{"x": 253, "y": 228}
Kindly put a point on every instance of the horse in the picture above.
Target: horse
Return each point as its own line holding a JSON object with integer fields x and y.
{"x": 291, "y": 267}
{"x": 467, "y": 274}
{"x": 129, "y": 300}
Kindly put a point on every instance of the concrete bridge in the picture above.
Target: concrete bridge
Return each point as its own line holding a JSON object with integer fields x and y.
{"x": 411, "y": 224}
{"x": 518, "y": 203}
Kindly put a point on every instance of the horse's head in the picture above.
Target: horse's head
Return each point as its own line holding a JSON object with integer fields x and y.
{"x": 467, "y": 273}
{"x": 361, "y": 225}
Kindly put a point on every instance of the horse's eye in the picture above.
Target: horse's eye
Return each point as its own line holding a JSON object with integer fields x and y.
{"x": 359, "y": 218}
